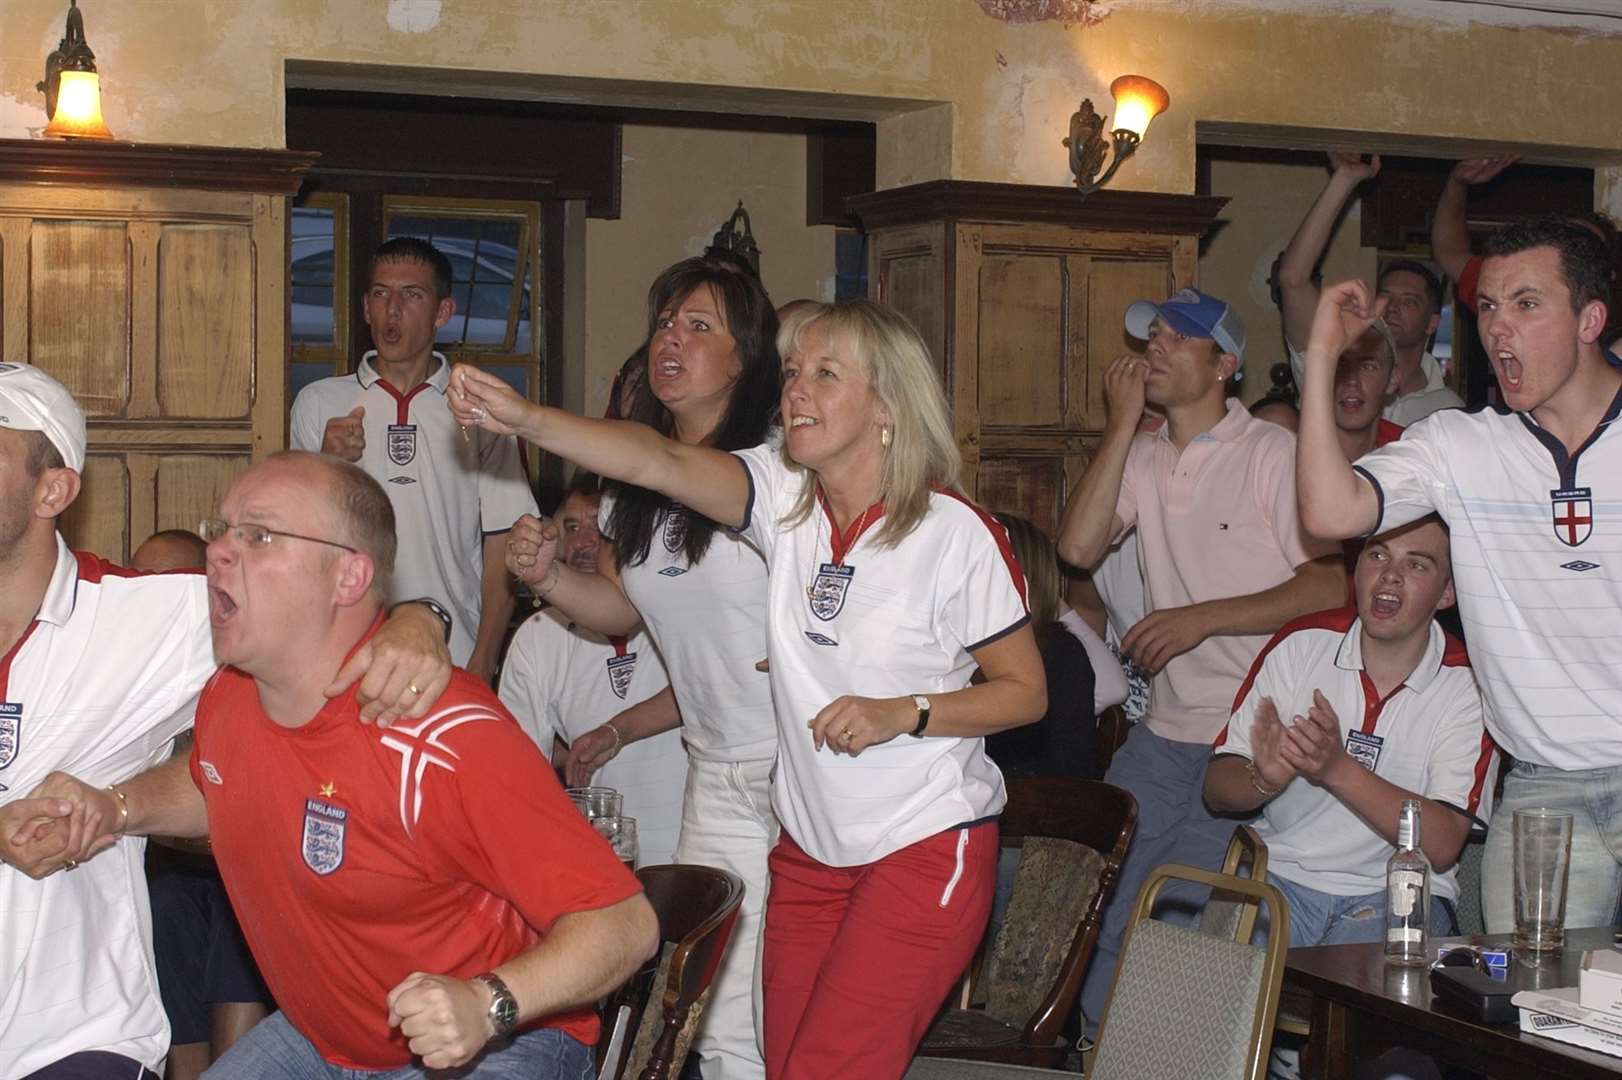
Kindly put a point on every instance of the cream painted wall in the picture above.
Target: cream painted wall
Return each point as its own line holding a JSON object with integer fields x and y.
{"x": 1267, "y": 201}
{"x": 679, "y": 185}
{"x": 213, "y": 71}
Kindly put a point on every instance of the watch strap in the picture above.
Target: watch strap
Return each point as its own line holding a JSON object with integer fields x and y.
{"x": 921, "y": 703}
{"x": 503, "y": 1011}
{"x": 433, "y": 606}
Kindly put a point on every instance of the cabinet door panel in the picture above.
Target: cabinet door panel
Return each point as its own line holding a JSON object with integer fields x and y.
{"x": 98, "y": 520}
{"x": 205, "y": 318}
{"x": 79, "y": 309}
{"x": 1021, "y": 348}
{"x": 189, "y": 487}
{"x": 1112, "y": 286}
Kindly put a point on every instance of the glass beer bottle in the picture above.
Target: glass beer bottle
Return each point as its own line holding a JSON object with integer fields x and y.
{"x": 1407, "y": 893}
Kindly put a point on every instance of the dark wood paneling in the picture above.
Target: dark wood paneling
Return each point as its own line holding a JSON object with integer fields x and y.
{"x": 93, "y": 163}
{"x": 972, "y": 200}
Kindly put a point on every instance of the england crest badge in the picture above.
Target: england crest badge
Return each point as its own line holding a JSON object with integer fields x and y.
{"x": 1573, "y": 515}
{"x": 324, "y": 828}
{"x": 402, "y": 443}
{"x": 674, "y": 533}
{"x": 828, "y": 589}
{"x": 11, "y": 723}
{"x": 1364, "y": 749}
{"x": 620, "y": 670}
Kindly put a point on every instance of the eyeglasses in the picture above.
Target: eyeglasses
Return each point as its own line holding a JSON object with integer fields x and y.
{"x": 256, "y": 536}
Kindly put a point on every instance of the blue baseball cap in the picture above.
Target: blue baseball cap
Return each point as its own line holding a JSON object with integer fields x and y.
{"x": 1192, "y": 314}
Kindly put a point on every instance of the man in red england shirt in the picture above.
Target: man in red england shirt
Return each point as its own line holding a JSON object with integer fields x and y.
{"x": 423, "y": 891}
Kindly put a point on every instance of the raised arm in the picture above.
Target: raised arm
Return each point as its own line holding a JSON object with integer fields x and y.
{"x": 595, "y": 601}
{"x": 1091, "y": 523}
{"x": 1306, "y": 247}
{"x": 709, "y": 481}
{"x": 1335, "y": 502}
{"x": 1450, "y": 230}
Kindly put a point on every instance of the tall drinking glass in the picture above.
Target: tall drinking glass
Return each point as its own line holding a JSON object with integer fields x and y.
{"x": 620, "y": 832}
{"x": 1542, "y": 864}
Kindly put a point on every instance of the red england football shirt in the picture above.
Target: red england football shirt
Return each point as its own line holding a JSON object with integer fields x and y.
{"x": 356, "y": 855}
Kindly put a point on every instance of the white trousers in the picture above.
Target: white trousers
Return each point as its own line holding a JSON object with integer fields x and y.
{"x": 727, "y": 822}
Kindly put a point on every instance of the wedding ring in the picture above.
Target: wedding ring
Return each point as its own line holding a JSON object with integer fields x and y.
{"x": 414, "y": 691}
{"x": 71, "y": 864}
{"x": 845, "y": 735}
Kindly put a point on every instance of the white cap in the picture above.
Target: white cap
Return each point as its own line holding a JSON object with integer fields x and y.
{"x": 31, "y": 400}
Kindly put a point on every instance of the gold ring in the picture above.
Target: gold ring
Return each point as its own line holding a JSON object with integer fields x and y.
{"x": 71, "y": 863}
{"x": 844, "y": 736}
{"x": 414, "y": 691}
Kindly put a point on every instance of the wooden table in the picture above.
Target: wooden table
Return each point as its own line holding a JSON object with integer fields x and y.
{"x": 1361, "y": 1007}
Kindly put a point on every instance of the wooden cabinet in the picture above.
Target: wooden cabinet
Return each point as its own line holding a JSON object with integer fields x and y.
{"x": 1020, "y": 293}
{"x": 151, "y": 282}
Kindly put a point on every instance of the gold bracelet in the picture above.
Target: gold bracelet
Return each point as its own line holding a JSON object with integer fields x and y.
{"x": 619, "y": 740}
{"x": 123, "y": 809}
{"x": 1256, "y": 781}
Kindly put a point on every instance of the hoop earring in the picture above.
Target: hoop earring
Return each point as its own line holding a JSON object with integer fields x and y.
{"x": 884, "y": 437}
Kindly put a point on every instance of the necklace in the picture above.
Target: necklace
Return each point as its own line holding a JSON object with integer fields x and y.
{"x": 866, "y": 519}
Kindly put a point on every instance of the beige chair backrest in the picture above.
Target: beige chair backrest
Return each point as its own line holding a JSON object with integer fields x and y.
{"x": 1192, "y": 1004}
{"x": 1226, "y": 914}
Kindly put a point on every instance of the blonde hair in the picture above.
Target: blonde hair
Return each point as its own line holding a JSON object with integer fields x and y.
{"x": 922, "y": 456}
{"x": 1039, "y": 559}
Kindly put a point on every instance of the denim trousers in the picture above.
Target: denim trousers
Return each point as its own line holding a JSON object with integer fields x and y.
{"x": 275, "y": 1050}
{"x": 1594, "y": 798}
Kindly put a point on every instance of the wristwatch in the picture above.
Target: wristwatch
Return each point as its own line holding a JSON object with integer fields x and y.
{"x": 503, "y": 1006}
{"x": 921, "y": 703}
{"x": 434, "y": 609}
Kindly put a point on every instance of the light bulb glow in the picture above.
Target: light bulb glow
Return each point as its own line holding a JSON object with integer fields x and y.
{"x": 1137, "y": 102}
{"x": 78, "y": 107}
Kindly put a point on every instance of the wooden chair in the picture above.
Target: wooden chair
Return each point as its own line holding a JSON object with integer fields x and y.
{"x": 1186, "y": 1003}
{"x": 697, "y": 908}
{"x": 1072, "y": 835}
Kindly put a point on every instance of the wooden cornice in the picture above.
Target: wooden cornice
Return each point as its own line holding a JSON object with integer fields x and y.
{"x": 94, "y": 163}
{"x": 973, "y": 200}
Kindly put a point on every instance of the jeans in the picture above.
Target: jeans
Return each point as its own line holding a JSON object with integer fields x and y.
{"x": 1594, "y": 798}
{"x": 1320, "y": 918}
{"x": 274, "y": 1050}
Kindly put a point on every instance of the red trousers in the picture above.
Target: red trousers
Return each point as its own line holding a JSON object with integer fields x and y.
{"x": 859, "y": 958}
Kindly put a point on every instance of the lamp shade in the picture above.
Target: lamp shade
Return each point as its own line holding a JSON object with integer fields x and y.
{"x": 1137, "y": 101}
{"x": 78, "y": 107}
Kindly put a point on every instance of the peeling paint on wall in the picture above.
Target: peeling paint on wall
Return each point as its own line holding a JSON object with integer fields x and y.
{"x": 1068, "y": 12}
{"x": 413, "y": 16}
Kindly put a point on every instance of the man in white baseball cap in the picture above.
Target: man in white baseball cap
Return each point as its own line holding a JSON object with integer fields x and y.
{"x": 31, "y": 400}
{"x": 99, "y": 670}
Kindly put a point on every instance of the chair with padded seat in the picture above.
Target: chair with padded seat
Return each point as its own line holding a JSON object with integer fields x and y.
{"x": 1072, "y": 835}
{"x": 1187, "y": 1003}
{"x": 697, "y": 907}
{"x": 1227, "y": 914}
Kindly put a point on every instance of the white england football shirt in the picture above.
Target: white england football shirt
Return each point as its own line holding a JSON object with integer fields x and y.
{"x": 563, "y": 679}
{"x": 1537, "y": 564}
{"x": 449, "y": 490}
{"x": 99, "y": 687}
{"x": 709, "y": 620}
{"x": 849, "y": 617}
{"x": 1426, "y": 736}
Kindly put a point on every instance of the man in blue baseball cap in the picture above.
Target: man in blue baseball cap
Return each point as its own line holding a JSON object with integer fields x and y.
{"x": 1225, "y": 564}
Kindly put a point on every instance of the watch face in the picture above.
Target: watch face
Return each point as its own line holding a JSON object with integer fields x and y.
{"x": 506, "y": 1010}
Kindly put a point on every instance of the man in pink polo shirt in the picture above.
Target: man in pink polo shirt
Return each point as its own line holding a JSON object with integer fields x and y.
{"x": 1225, "y": 564}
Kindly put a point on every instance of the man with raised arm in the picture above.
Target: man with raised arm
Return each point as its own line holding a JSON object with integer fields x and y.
{"x": 1413, "y": 307}
{"x": 1225, "y": 564}
{"x": 99, "y": 671}
{"x": 1529, "y": 496}
{"x": 418, "y": 892}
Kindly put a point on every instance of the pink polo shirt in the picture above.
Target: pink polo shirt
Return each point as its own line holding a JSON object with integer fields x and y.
{"x": 1215, "y": 521}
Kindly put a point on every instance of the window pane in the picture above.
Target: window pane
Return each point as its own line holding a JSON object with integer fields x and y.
{"x": 514, "y": 375}
{"x": 454, "y": 332}
{"x": 312, "y": 275}
{"x": 303, "y": 373}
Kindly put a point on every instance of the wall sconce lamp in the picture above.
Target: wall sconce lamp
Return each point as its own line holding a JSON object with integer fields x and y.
{"x": 72, "y": 88}
{"x": 1137, "y": 101}
{"x": 735, "y": 241}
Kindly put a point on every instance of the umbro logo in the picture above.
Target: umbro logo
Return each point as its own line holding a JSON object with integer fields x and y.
{"x": 673, "y": 571}
{"x": 401, "y": 480}
{"x": 210, "y": 772}
{"x": 1579, "y": 566}
{"x": 820, "y": 639}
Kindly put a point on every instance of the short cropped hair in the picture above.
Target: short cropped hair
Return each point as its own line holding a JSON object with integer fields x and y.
{"x": 365, "y": 517}
{"x": 1433, "y": 284}
{"x": 1586, "y": 265}
{"x": 42, "y": 454}
{"x": 415, "y": 249}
